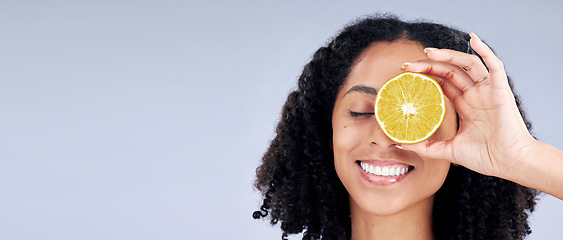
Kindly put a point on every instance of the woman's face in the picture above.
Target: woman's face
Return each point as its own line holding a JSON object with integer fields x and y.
{"x": 359, "y": 142}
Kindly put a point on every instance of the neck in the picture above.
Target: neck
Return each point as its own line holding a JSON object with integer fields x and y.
{"x": 412, "y": 223}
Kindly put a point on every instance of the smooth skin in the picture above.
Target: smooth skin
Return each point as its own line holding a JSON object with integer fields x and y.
{"x": 402, "y": 210}
{"x": 490, "y": 123}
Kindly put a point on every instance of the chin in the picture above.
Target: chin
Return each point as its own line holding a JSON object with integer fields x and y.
{"x": 390, "y": 205}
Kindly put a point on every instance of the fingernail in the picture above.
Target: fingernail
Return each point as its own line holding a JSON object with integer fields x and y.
{"x": 399, "y": 147}
{"x": 429, "y": 49}
{"x": 473, "y": 35}
{"x": 405, "y": 65}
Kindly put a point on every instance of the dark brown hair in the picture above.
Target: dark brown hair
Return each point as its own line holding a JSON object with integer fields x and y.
{"x": 297, "y": 176}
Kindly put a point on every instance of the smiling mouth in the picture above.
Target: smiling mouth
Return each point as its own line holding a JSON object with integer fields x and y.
{"x": 392, "y": 170}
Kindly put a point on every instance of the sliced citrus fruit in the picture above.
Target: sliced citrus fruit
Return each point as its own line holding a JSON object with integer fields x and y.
{"x": 410, "y": 107}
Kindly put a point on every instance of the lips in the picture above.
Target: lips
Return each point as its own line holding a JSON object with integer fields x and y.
{"x": 384, "y": 172}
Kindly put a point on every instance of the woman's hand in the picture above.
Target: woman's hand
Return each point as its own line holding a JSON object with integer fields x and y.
{"x": 492, "y": 136}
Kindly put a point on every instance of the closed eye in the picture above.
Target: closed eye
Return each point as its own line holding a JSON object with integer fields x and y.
{"x": 360, "y": 114}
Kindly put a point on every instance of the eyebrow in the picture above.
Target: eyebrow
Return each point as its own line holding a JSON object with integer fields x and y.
{"x": 363, "y": 89}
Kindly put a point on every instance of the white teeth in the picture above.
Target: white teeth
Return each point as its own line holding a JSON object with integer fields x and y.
{"x": 384, "y": 171}
{"x": 391, "y": 171}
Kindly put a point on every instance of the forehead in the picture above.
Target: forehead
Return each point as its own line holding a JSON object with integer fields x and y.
{"x": 382, "y": 61}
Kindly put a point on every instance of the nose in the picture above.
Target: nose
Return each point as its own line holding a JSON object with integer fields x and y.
{"x": 378, "y": 137}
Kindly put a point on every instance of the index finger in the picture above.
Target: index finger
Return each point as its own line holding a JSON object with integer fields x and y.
{"x": 469, "y": 62}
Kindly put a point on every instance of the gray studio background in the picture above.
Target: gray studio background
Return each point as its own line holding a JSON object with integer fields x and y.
{"x": 147, "y": 119}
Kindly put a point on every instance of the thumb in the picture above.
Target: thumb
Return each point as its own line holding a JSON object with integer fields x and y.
{"x": 430, "y": 149}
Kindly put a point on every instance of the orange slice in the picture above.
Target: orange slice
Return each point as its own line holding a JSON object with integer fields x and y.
{"x": 410, "y": 107}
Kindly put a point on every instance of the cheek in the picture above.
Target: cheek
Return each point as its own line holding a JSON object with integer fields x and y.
{"x": 346, "y": 137}
{"x": 340, "y": 145}
{"x": 440, "y": 169}
{"x": 347, "y": 133}
{"x": 341, "y": 137}
{"x": 448, "y": 129}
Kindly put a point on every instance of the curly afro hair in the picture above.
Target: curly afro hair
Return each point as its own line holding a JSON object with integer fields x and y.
{"x": 297, "y": 176}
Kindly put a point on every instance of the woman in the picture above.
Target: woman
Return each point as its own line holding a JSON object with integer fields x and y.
{"x": 313, "y": 177}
